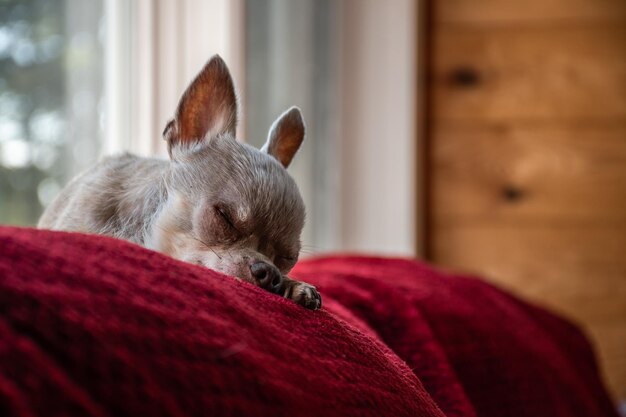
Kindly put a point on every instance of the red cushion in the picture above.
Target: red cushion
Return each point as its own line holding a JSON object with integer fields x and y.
{"x": 477, "y": 350}
{"x": 96, "y": 326}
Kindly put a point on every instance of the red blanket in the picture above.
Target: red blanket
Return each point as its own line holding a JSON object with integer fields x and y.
{"x": 95, "y": 326}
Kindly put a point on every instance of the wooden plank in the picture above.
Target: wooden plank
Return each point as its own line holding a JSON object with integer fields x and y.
{"x": 486, "y": 12}
{"x": 536, "y": 262}
{"x": 553, "y": 174}
{"x": 609, "y": 340}
{"x": 531, "y": 74}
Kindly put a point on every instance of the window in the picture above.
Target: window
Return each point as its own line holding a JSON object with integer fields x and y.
{"x": 50, "y": 100}
{"x": 84, "y": 78}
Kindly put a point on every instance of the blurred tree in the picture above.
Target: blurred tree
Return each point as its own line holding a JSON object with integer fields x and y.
{"x": 44, "y": 46}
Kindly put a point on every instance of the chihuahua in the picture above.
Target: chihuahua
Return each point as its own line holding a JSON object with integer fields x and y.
{"x": 217, "y": 202}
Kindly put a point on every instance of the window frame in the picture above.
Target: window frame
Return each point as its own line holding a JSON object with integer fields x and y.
{"x": 154, "y": 49}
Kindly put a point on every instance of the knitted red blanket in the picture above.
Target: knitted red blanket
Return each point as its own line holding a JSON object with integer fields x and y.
{"x": 99, "y": 327}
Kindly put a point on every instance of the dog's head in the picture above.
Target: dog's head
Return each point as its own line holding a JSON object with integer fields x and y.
{"x": 230, "y": 207}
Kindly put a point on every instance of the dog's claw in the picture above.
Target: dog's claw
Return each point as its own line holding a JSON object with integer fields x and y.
{"x": 310, "y": 298}
{"x": 304, "y": 294}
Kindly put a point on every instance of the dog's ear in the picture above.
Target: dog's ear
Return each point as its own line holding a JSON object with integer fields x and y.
{"x": 207, "y": 108}
{"x": 285, "y": 136}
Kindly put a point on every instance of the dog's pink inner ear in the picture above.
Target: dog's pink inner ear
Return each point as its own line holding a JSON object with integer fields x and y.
{"x": 286, "y": 136}
{"x": 207, "y": 108}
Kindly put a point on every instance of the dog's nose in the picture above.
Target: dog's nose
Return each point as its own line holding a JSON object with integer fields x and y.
{"x": 268, "y": 275}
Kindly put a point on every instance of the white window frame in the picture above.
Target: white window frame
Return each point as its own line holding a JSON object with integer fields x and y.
{"x": 169, "y": 43}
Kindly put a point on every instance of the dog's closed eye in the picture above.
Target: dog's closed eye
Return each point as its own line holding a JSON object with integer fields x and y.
{"x": 285, "y": 262}
{"x": 225, "y": 216}
{"x": 218, "y": 226}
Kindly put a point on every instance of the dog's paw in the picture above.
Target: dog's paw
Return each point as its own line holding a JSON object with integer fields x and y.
{"x": 304, "y": 294}
{"x": 307, "y": 296}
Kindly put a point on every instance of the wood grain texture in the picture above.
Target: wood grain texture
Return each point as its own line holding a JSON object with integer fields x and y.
{"x": 567, "y": 175}
{"x": 609, "y": 337}
{"x": 527, "y": 156}
{"x": 532, "y": 74}
{"x": 578, "y": 271}
{"x": 493, "y": 12}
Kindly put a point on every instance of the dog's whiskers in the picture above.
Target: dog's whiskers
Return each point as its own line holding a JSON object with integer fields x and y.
{"x": 309, "y": 251}
{"x": 212, "y": 250}
{"x": 207, "y": 245}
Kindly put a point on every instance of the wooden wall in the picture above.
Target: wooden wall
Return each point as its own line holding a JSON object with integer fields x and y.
{"x": 526, "y": 155}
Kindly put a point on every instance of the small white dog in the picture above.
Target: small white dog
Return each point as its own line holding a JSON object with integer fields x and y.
{"x": 216, "y": 202}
